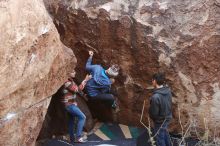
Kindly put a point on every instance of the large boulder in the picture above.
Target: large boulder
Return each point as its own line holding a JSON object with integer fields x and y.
{"x": 34, "y": 64}
{"x": 178, "y": 37}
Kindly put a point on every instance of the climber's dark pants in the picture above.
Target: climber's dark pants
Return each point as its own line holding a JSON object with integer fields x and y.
{"x": 107, "y": 98}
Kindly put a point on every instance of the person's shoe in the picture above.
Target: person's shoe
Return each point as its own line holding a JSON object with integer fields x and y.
{"x": 114, "y": 104}
{"x": 115, "y": 107}
{"x": 72, "y": 143}
{"x": 81, "y": 140}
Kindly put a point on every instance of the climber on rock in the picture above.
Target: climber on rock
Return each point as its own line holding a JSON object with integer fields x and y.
{"x": 99, "y": 86}
{"x": 160, "y": 109}
{"x": 69, "y": 90}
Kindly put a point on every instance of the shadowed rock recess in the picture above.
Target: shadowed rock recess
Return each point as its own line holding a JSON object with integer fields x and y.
{"x": 181, "y": 38}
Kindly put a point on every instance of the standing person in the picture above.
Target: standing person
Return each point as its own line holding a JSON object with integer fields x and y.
{"x": 70, "y": 89}
{"x": 99, "y": 86}
{"x": 160, "y": 109}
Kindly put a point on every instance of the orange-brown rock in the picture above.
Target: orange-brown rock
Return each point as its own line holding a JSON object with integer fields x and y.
{"x": 179, "y": 37}
{"x": 33, "y": 65}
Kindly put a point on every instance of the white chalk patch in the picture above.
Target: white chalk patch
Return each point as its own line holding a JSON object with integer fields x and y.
{"x": 33, "y": 56}
{"x": 164, "y": 59}
{"x": 163, "y": 5}
{"x": 216, "y": 95}
{"x": 215, "y": 102}
{"x": 204, "y": 18}
{"x": 44, "y": 29}
{"x": 9, "y": 116}
{"x": 19, "y": 36}
{"x": 106, "y": 7}
{"x": 157, "y": 29}
{"x": 128, "y": 80}
{"x": 144, "y": 2}
{"x": 79, "y": 4}
{"x": 187, "y": 83}
{"x": 215, "y": 87}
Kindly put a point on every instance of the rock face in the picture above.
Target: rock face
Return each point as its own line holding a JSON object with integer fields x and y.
{"x": 178, "y": 37}
{"x": 34, "y": 64}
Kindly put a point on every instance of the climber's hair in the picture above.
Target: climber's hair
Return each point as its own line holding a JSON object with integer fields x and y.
{"x": 159, "y": 78}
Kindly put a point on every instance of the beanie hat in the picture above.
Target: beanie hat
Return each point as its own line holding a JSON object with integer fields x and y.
{"x": 113, "y": 70}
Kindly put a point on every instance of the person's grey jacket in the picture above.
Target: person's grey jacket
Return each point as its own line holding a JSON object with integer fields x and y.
{"x": 161, "y": 105}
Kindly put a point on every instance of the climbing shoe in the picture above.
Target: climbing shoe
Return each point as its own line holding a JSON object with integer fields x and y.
{"x": 81, "y": 140}
{"x": 114, "y": 104}
{"x": 115, "y": 107}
